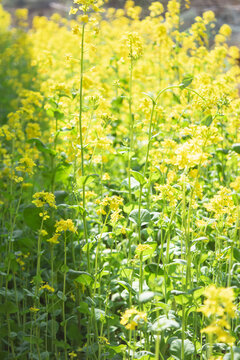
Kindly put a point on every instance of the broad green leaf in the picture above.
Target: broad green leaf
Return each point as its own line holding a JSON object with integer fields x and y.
{"x": 84, "y": 279}
{"x": 163, "y": 323}
{"x": 236, "y": 254}
{"x": 144, "y": 355}
{"x": 176, "y": 346}
{"x": 86, "y": 179}
{"x": 236, "y": 148}
{"x": 117, "y": 349}
{"x": 134, "y": 184}
{"x": 141, "y": 220}
{"x": 83, "y": 308}
{"x": 60, "y": 196}
{"x": 139, "y": 177}
{"x": 31, "y": 217}
{"x": 154, "y": 269}
{"x": 146, "y": 296}
{"x": 8, "y": 307}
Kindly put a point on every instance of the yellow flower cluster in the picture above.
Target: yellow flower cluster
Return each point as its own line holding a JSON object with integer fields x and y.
{"x": 26, "y": 165}
{"x": 47, "y": 287}
{"x": 142, "y": 247}
{"x": 220, "y": 307}
{"x": 132, "y": 318}
{"x": 65, "y": 225}
{"x": 133, "y": 43}
{"x": 86, "y": 5}
{"x": 113, "y": 202}
{"x": 222, "y": 204}
{"x": 44, "y": 198}
{"x": 54, "y": 239}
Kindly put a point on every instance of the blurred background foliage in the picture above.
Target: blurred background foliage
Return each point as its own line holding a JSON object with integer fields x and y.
{"x": 227, "y": 11}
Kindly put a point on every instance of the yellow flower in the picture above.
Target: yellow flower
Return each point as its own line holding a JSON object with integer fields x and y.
{"x": 42, "y": 198}
{"x": 116, "y": 215}
{"x": 142, "y": 247}
{"x": 33, "y": 309}
{"x": 131, "y": 318}
{"x": 44, "y": 215}
{"x": 47, "y": 287}
{"x": 225, "y": 30}
{"x": 43, "y": 233}
{"x": 72, "y": 355}
{"x": 208, "y": 16}
{"x": 73, "y": 11}
{"x": 218, "y": 302}
{"x": 134, "y": 44}
{"x": 103, "y": 340}
{"x": 65, "y": 225}
{"x": 54, "y": 240}
{"x": 106, "y": 177}
{"x": 156, "y": 8}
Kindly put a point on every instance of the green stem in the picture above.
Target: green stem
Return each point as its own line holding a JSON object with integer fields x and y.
{"x": 81, "y": 144}
{"x": 64, "y": 291}
{"x": 131, "y": 126}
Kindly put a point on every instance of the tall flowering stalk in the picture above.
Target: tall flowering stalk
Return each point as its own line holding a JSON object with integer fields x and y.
{"x": 133, "y": 44}
{"x": 63, "y": 226}
{"x": 85, "y": 6}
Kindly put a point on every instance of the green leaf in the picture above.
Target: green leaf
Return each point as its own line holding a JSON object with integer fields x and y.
{"x": 187, "y": 80}
{"x": 32, "y": 339}
{"x": 61, "y": 296}
{"x": 236, "y": 354}
{"x": 86, "y": 247}
{"x": 53, "y": 326}
{"x": 139, "y": 177}
{"x": 144, "y": 355}
{"x": 150, "y": 95}
{"x": 99, "y": 314}
{"x": 154, "y": 269}
{"x": 134, "y": 184}
{"x": 236, "y": 254}
{"x": 144, "y": 218}
{"x": 163, "y": 323}
{"x": 83, "y": 308}
{"x": 126, "y": 286}
{"x": 84, "y": 279}
{"x": 31, "y": 217}
{"x": 149, "y": 251}
{"x": 8, "y": 307}
{"x": 64, "y": 268}
{"x": 58, "y": 115}
{"x": 41, "y": 146}
{"x": 86, "y": 180}
{"x": 207, "y": 120}
{"x": 222, "y": 151}
{"x": 146, "y": 296}
{"x": 60, "y": 196}
{"x": 117, "y": 349}
{"x": 176, "y": 346}
{"x": 236, "y": 148}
